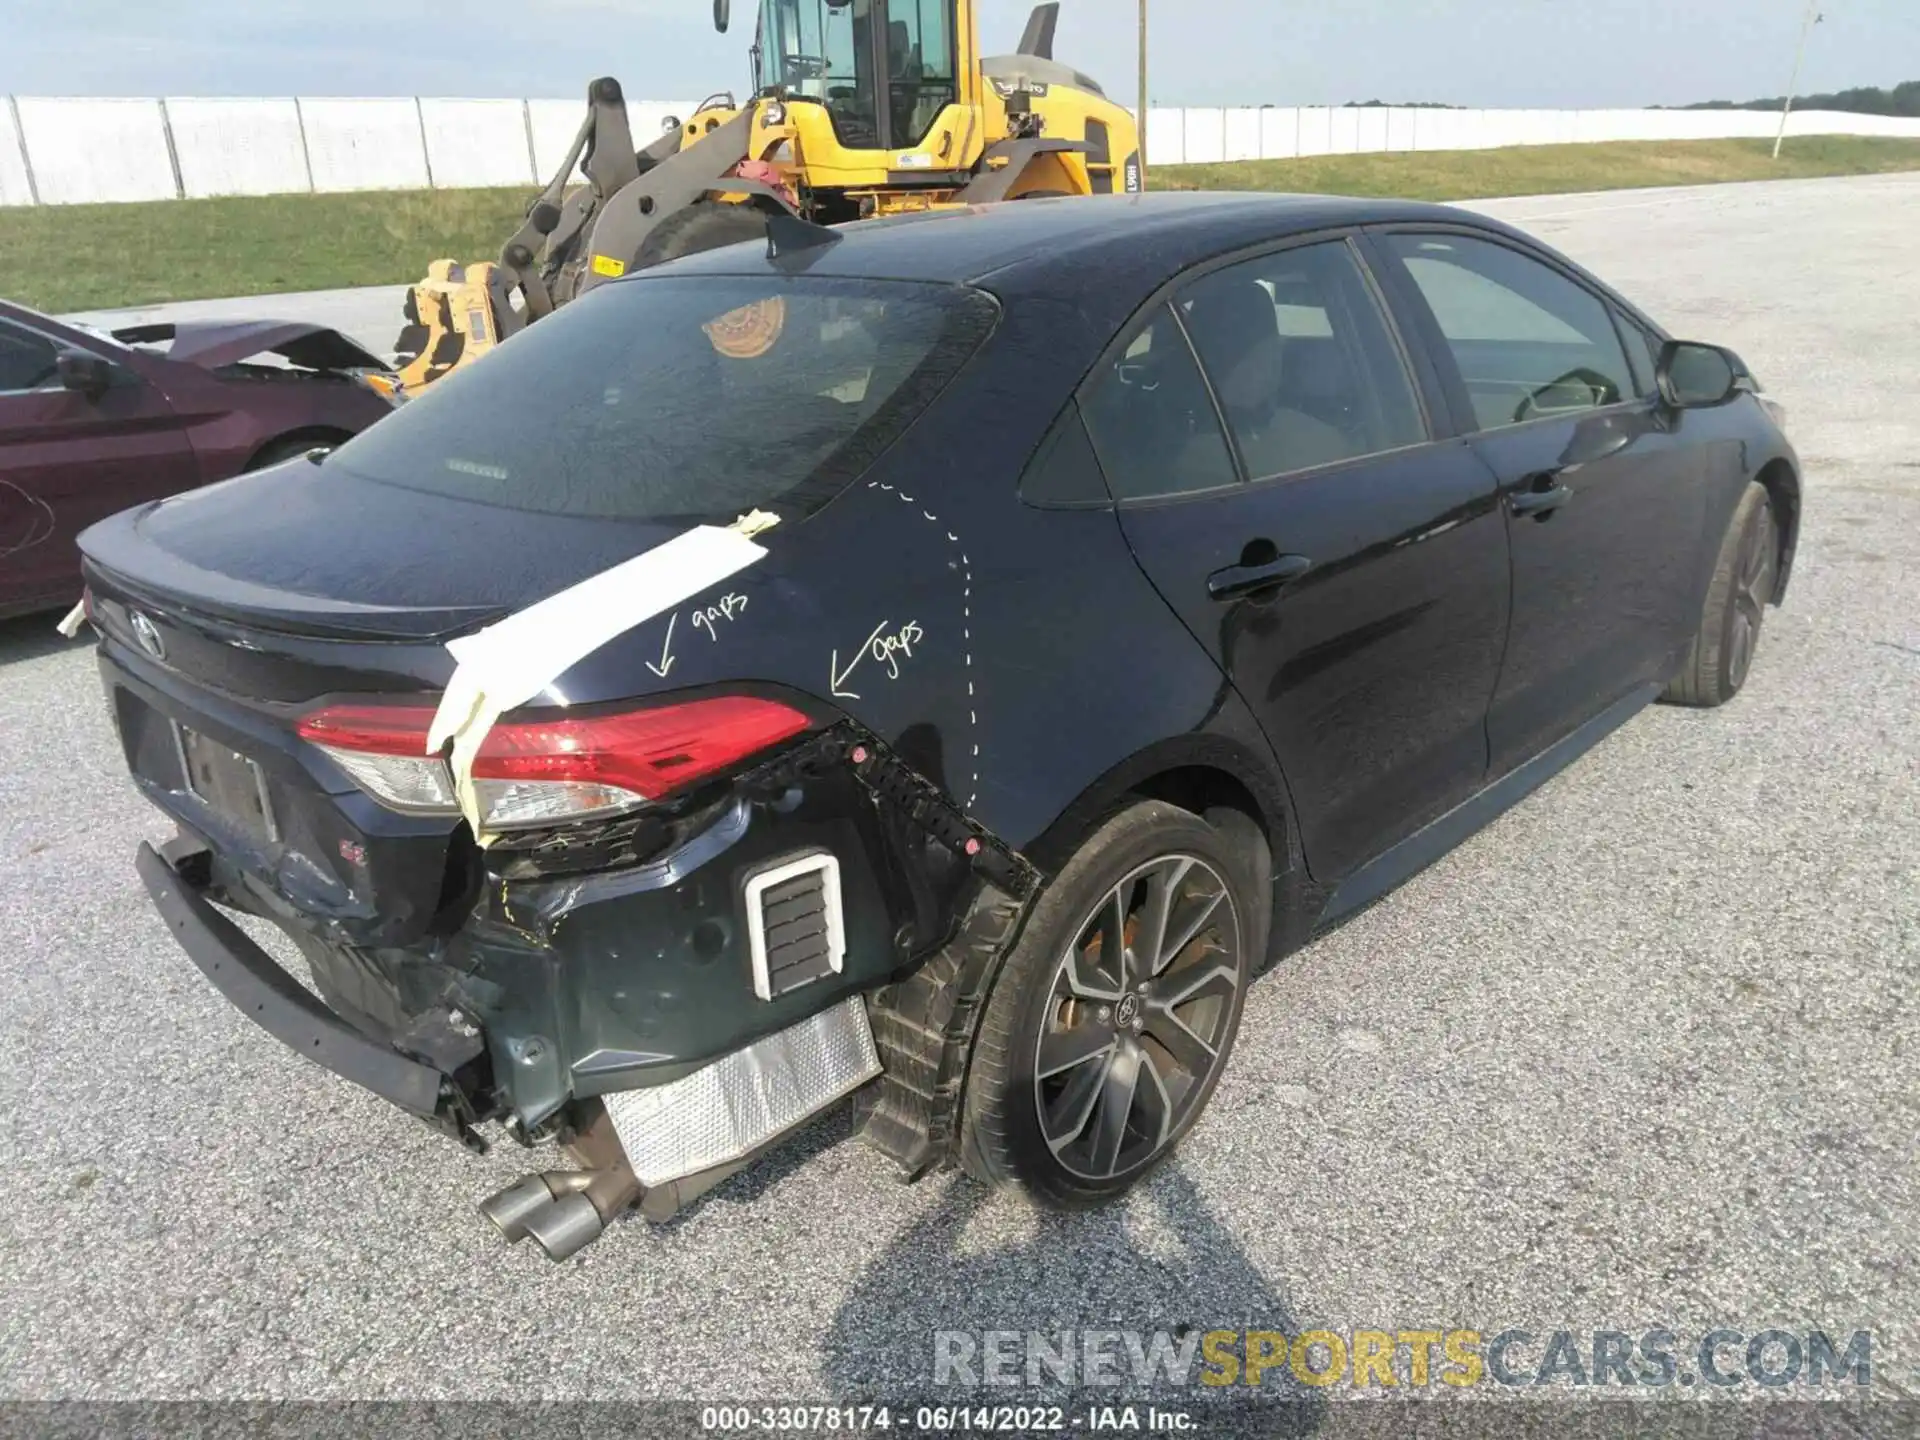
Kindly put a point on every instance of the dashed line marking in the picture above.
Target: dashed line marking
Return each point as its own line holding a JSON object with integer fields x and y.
{"x": 966, "y": 632}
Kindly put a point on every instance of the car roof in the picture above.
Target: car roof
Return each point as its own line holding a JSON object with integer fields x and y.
{"x": 1143, "y": 238}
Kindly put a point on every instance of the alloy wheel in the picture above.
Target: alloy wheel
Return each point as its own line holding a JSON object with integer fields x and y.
{"x": 1753, "y": 584}
{"x": 1138, "y": 1017}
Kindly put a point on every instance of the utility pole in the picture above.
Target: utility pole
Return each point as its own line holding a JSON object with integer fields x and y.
{"x": 1799, "y": 54}
{"x": 1143, "y": 94}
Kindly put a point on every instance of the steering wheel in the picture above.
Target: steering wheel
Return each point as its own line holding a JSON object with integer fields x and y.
{"x": 802, "y": 67}
{"x": 1601, "y": 386}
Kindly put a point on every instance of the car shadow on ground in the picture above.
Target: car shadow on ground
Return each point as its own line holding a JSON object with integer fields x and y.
{"x": 29, "y": 637}
{"x": 1160, "y": 1267}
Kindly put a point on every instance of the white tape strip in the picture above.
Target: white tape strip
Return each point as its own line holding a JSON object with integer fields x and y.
{"x": 76, "y": 617}
{"x": 509, "y": 663}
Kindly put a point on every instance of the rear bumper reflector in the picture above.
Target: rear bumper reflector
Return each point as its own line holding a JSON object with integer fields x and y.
{"x": 742, "y": 1101}
{"x": 276, "y": 1002}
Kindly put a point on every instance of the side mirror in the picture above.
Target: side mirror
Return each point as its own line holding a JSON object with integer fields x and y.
{"x": 1692, "y": 376}
{"x": 722, "y": 13}
{"x": 85, "y": 374}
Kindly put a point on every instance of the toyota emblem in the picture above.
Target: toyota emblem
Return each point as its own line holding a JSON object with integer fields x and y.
{"x": 148, "y": 634}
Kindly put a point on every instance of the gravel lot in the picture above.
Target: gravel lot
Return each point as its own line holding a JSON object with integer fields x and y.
{"x": 1639, "y": 1054}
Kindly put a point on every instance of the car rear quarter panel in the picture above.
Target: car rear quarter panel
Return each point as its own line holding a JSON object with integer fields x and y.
{"x": 1012, "y": 655}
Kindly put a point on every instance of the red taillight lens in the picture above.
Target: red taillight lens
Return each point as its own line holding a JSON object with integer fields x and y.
{"x": 648, "y": 752}
{"x": 370, "y": 729}
{"x": 535, "y": 772}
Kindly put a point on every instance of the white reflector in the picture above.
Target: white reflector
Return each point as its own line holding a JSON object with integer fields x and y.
{"x": 743, "y": 1100}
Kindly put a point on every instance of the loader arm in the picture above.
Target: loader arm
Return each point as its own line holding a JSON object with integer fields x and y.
{"x": 603, "y": 150}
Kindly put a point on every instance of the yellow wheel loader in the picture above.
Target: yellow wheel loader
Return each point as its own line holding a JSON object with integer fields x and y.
{"x": 860, "y": 108}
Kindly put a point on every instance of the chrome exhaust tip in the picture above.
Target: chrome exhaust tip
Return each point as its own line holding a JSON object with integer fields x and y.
{"x": 566, "y": 1226}
{"x": 508, "y": 1209}
{"x": 511, "y": 1208}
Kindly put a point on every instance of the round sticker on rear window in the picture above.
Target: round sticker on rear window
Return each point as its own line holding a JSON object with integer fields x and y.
{"x": 750, "y": 331}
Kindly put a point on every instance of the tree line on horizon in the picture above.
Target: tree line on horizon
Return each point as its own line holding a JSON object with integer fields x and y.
{"x": 1902, "y": 99}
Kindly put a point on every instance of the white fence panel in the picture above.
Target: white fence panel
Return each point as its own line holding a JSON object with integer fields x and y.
{"x": 1344, "y": 129}
{"x": 365, "y": 144}
{"x": 1403, "y": 127}
{"x": 471, "y": 143}
{"x": 555, "y": 122}
{"x": 1316, "y": 130}
{"x": 1279, "y": 132}
{"x": 1166, "y": 136}
{"x": 1206, "y": 135}
{"x": 1370, "y": 136}
{"x": 238, "y": 147}
{"x": 14, "y": 189}
{"x": 88, "y": 150}
{"x": 1243, "y": 133}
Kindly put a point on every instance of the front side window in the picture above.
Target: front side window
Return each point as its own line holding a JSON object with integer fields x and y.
{"x": 684, "y": 400}
{"x": 824, "y": 52}
{"x": 1302, "y": 360}
{"x": 1528, "y": 342}
{"x": 26, "y": 359}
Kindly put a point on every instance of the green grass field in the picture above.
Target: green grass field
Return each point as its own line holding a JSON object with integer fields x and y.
{"x": 82, "y": 257}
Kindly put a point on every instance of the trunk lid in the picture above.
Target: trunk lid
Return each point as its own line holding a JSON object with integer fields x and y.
{"x": 311, "y": 549}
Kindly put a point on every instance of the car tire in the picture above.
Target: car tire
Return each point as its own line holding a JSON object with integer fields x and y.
{"x": 704, "y": 225}
{"x": 1744, "y": 576}
{"x": 1088, "y": 1129}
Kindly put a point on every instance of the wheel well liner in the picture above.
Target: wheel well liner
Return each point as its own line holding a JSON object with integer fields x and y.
{"x": 1783, "y": 488}
{"x": 314, "y": 434}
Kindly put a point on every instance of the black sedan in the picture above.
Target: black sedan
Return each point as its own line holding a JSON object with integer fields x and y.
{"x": 939, "y": 661}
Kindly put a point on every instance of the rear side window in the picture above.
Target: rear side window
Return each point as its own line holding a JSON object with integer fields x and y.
{"x": 684, "y": 400}
{"x": 1302, "y": 360}
{"x": 1528, "y": 342}
{"x": 1152, "y": 422}
{"x": 26, "y": 359}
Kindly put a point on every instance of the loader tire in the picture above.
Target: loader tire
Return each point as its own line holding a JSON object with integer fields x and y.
{"x": 704, "y": 225}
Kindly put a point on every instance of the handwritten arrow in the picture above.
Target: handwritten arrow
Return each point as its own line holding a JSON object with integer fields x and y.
{"x": 837, "y": 677}
{"x": 666, "y": 652}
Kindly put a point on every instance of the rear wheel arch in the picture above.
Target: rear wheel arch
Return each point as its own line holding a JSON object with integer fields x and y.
{"x": 291, "y": 443}
{"x": 1198, "y": 773}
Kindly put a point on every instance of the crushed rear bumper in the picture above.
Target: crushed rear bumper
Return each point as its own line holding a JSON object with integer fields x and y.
{"x": 267, "y": 995}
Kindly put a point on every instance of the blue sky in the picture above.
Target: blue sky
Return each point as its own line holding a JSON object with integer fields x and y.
{"x": 1550, "y": 53}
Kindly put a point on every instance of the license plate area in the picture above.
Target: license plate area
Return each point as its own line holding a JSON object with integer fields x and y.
{"x": 227, "y": 782}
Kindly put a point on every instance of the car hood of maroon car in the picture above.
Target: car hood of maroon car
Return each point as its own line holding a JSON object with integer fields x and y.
{"x": 213, "y": 343}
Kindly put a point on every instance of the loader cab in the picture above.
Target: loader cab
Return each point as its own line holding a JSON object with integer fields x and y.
{"x": 883, "y": 69}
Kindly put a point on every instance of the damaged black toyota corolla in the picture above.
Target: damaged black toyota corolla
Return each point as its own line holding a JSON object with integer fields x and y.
{"x": 938, "y": 662}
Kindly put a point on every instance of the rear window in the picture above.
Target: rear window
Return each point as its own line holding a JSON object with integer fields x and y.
{"x": 683, "y": 399}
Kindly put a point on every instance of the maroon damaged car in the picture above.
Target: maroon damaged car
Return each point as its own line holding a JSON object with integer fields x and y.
{"x": 91, "y": 423}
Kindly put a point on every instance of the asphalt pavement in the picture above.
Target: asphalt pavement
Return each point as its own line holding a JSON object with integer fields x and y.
{"x": 1640, "y": 1054}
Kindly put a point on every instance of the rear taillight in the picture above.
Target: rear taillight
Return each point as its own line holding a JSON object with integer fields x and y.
{"x": 552, "y": 771}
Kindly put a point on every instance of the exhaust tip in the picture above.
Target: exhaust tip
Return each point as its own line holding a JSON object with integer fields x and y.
{"x": 509, "y": 1209}
{"x": 565, "y": 1227}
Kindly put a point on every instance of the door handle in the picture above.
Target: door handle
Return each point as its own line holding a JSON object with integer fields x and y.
{"x": 1539, "y": 503}
{"x": 1238, "y": 580}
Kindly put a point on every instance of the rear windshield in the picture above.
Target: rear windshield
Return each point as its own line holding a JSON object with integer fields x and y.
{"x": 683, "y": 399}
